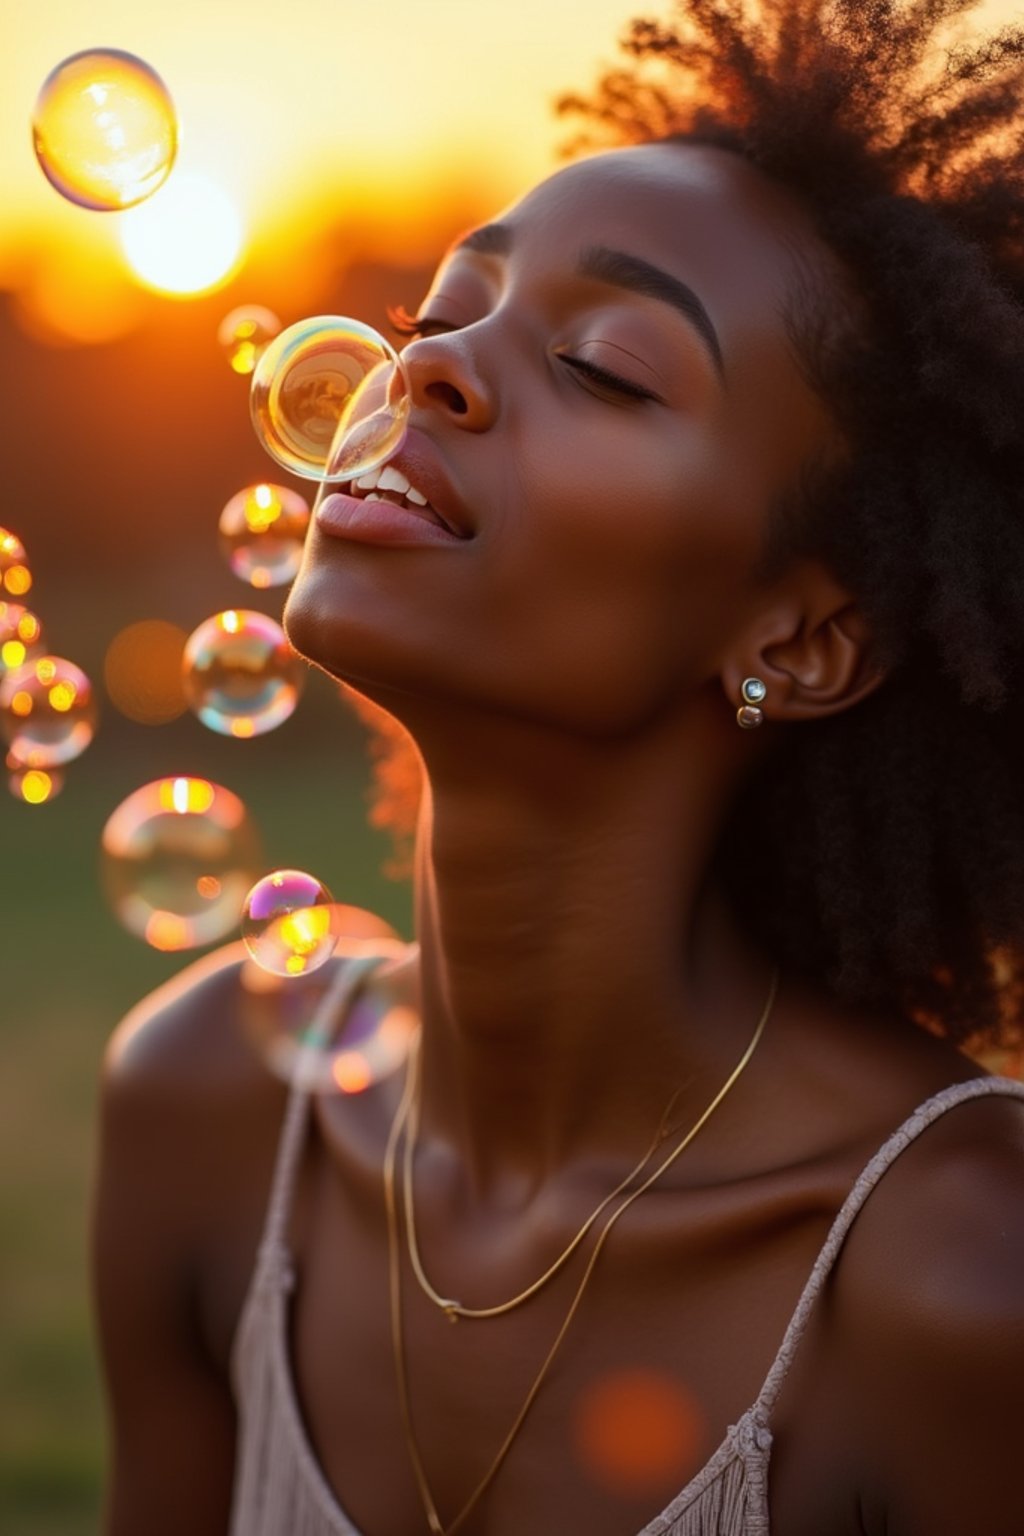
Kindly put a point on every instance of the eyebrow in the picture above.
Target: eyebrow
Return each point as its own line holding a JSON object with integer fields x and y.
{"x": 621, "y": 270}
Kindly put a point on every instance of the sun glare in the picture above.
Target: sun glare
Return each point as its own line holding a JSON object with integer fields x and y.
{"x": 186, "y": 239}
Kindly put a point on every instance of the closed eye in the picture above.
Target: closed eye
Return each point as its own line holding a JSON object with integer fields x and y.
{"x": 613, "y": 381}
{"x": 410, "y": 327}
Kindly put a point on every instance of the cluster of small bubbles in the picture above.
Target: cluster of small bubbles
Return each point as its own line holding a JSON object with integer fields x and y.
{"x": 262, "y": 532}
{"x": 284, "y": 1018}
{"x": 104, "y": 129}
{"x": 241, "y": 677}
{"x": 243, "y": 335}
{"x": 34, "y": 786}
{"x": 142, "y": 671}
{"x": 21, "y": 636}
{"x": 15, "y": 576}
{"x": 330, "y": 398}
{"x": 47, "y": 711}
{"x": 178, "y": 856}
{"x": 286, "y": 923}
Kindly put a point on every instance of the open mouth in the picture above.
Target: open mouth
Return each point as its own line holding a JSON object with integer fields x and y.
{"x": 386, "y": 483}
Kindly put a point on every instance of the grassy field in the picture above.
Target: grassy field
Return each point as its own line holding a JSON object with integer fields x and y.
{"x": 68, "y": 973}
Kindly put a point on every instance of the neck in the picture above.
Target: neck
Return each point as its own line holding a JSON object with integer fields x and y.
{"x": 578, "y": 962}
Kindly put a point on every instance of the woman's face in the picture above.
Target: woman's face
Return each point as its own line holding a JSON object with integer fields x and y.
{"x": 606, "y": 403}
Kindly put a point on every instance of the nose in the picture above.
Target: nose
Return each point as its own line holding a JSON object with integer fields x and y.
{"x": 444, "y": 376}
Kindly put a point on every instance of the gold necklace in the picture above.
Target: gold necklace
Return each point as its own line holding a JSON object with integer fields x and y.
{"x": 452, "y": 1309}
{"x": 434, "y": 1522}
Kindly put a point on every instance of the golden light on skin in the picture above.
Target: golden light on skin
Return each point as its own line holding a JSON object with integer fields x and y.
{"x": 186, "y": 240}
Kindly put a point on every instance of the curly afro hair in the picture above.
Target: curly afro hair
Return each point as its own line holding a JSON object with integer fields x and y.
{"x": 881, "y": 851}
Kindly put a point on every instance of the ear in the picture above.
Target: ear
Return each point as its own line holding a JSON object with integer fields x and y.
{"x": 810, "y": 644}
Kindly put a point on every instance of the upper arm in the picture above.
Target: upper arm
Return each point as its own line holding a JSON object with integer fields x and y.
{"x": 936, "y": 1346}
{"x": 170, "y": 1408}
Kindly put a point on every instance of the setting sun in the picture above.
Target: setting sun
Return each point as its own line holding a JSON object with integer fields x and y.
{"x": 186, "y": 239}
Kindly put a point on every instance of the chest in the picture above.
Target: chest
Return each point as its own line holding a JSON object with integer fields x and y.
{"x": 629, "y": 1374}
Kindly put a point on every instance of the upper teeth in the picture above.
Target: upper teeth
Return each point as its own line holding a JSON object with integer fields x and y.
{"x": 387, "y": 478}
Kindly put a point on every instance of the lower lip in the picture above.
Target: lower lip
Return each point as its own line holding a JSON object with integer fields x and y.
{"x": 377, "y": 522}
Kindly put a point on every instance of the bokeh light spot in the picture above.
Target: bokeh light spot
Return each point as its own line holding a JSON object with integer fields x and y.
{"x": 244, "y": 333}
{"x": 33, "y": 785}
{"x": 636, "y": 1431}
{"x": 142, "y": 671}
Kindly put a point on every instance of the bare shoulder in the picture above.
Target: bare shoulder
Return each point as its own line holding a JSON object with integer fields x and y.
{"x": 931, "y": 1296}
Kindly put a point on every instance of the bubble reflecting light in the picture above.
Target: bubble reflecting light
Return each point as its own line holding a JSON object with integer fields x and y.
{"x": 47, "y": 711}
{"x": 21, "y": 636}
{"x": 243, "y": 335}
{"x": 178, "y": 856}
{"x": 241, "y": 677}
{"x": 15, "y": 576}
{"x": 330, "y": 398}
{"x": 104, "y": 129}
{"x": 262, "y": 533}
{"x": 286, "y": 923}
{"x": 280, "y": 1014}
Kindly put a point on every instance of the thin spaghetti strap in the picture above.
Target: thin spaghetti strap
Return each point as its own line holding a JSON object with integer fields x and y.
{"x": 332, "y": 1006}
{"x": 931, "y": 1110}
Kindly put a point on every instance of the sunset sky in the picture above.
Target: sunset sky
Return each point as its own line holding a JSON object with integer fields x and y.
{"x": 300, "y": 115}
{"x": 308, "y": 109}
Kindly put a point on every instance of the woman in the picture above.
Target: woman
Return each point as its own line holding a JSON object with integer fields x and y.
{"x": 710, "y": 637}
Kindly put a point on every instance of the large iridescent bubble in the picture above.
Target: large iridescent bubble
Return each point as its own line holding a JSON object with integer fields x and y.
{"x": 104, "y": 129}
{"x": 330, "y": 398}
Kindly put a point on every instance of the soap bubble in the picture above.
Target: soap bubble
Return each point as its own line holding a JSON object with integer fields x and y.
{"x": 15, "y": 576}
{"x": 104, "y": 129}
{"x": 284, "y": 1017}
{"x": 178, "y": 856}
{"x": 244, "y": 333}
{"x": 21, "y": 636}
{"x": 330, "y": 398}
{"x": 262, "y": 533}
{"x": 286, "y": 923}
{"x": 33, "y": 786}
{"x": 241, "y": 676}
{"x": 47, "y": 711}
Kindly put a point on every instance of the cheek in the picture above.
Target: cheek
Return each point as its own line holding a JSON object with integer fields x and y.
{"x": 617, "y": 573}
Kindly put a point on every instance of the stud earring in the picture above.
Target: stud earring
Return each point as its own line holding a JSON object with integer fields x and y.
{"x": 748, "y": 715}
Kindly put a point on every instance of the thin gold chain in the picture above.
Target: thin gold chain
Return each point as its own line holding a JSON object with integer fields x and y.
{"x": 454, "y": 1309}
{"x": 434, "y": 1522}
